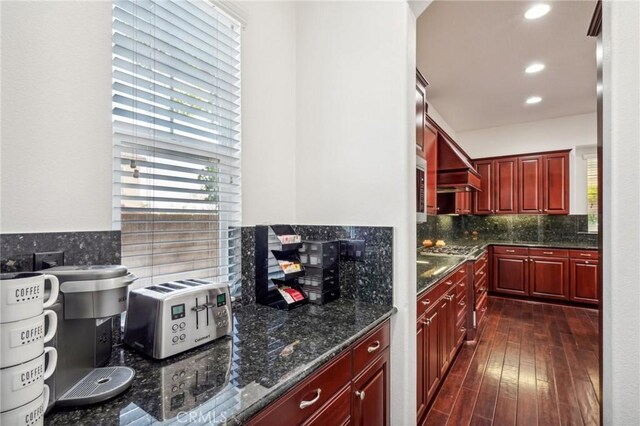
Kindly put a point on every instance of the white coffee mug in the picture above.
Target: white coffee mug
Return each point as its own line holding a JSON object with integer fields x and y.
{"x": 22, "y": 295}
{"x": 30, "y": 414}
{"x": 23, "y": 340}
{"x": 23, "y": 382}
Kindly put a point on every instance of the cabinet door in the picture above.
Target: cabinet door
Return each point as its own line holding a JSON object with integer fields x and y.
{"x": 432, "y": 353}
{"x": 431, "y": 156}
{"x": 530, "y": 184}
{"x": 556, "y": 183}
{"x": 371, "y": 394}
{"x": 584, "y": 281}
{"x": 510, "y": 274}
{"x": 463, "y": 202}
{"x": 445, "y": 328}
{"x": 483, "y": 199}
{"x": 506, "y": 186}
{"x": 549, "y": 277}
{"x": 421, "y": 370}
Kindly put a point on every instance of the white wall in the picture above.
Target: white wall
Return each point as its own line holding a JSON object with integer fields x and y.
{"x": 621, "y": 234}
{"x": 268, "y": 113}
{"x": 56, "y": 116}
{"x": 356, "y": 158}
{"x": 578, "y": 132}
{"x": 435, "y": 115}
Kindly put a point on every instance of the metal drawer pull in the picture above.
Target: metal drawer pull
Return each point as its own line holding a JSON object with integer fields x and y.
{"x": 305, "y": 404}
{"x": 510, "y": 251}
{"x": 374, "y": 347}
{"x": 462, "y": 329}
{"x": 547, "y": 252}
{"x": 449, "y": 283}
{"x": 461, "y": 303}
{"x": 585, "y": 254}
{"x": 426, "y": 302}
{"x": 481, "y": 272}
{"x": 360, "y": 394}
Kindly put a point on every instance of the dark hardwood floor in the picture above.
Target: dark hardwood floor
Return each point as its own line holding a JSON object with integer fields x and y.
{"x": 534, "y": 363}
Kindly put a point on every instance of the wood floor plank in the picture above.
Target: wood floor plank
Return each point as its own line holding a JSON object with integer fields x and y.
{"x": 532, "y": 364}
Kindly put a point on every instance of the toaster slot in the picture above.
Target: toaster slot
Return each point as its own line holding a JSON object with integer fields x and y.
{"x": 172, "y": 286}
{"x": 159, "y": 289}
{"x": 189, "y": 283}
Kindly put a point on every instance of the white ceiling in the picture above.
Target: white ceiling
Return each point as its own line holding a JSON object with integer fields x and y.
{"x": 473, "y": 53}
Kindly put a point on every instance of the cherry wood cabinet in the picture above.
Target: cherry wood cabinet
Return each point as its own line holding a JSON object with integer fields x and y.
{"x": 483, "y": 199}
{"x": 505, "y": 186}
{"x": 440, "y": 330}
{"x": 584, "y": 281}
{"x": 549, "y": 277}
{"x": 371, "y": 394}
{"x": 556, "y": 183}
{"x": 454, "y": 203}
{"x": 431, "y": 156}
{"x": 463, "y": 202}
{"x": 421, "y": 102}
{"x": 510, "y": 274}
{"x": 525, "y": 184}
{"x": 530, "y": 187}
{"x": 353, "y": 388}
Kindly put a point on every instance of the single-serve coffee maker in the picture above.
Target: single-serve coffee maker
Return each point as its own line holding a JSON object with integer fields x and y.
{"x": 90, "y": 296}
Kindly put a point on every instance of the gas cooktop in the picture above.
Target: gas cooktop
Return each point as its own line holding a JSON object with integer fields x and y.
{"x": 448, "y": 250}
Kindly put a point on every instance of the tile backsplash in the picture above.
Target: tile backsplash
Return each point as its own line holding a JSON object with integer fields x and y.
{"x": 521, "y": 228}
{"x": 80, "y": 248}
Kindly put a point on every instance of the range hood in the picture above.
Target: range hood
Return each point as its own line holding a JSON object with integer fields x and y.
{"x": 455, "y": 171}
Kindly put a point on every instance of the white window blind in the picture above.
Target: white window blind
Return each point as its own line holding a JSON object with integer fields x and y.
{"x": 176, "y": 121}
{"x": 592, "y": 193}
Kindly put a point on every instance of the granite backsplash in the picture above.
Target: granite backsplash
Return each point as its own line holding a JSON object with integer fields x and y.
{"x": 370, "y": 281}
{"x": 80, "y": 248}
{"x": 532, "y": 228}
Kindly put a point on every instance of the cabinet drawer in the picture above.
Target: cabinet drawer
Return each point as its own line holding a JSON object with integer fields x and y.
{"x": 460, "y": 274}
{"x": 336, "y": 412}
{"x": 481, "y": 309}
{"x": 461, "y": 331}
{"x": 461, "y": 289}
{"x": 305, "y": 399}
{"x": 430, "y": 298}
{"x": 370, "y": 347}
{"x": 548, "y": 252}
{"x": 480, "y": 263}
{"x": 481, "y": 282}
{"x": 461, "y": 308}
{"x": 584, "y": 254}
{"x": 481, "y": 273}
{"x": 520, "y": 251}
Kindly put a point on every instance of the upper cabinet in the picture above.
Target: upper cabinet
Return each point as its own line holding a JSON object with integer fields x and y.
{"x": 421, "y": 113}
{"x": 426, "y": 145}
{"x": 527, "y": 184}
{"x": 431, "y": 156}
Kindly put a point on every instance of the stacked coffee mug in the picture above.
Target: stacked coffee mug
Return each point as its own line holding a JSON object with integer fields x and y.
{"x": 25, "y": 363}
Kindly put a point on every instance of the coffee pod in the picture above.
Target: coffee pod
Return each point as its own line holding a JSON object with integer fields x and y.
{"x": 23, "y": 383}
{"x": 22, "y": 295}
{"x": 23, "y": 340}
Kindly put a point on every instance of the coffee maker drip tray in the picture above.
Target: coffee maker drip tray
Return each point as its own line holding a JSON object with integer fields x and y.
{"x": 99, "y": 385}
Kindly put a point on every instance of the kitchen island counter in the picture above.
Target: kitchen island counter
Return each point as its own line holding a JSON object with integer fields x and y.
{"x": 230, "y": 380}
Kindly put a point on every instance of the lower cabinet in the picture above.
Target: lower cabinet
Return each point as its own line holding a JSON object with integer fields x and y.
{"x": 560, "y": 274}
{"x": 440, "y": 330}
{"x": 584, "y": 281}
{"x": 352, "y": 389}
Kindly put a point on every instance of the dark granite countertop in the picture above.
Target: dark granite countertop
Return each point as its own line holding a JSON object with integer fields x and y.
{"x": 231, "y": 379}
{"x": 428, "y": 264}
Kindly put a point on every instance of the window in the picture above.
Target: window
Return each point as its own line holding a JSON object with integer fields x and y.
{"x": 592, "y": 193}
{"x": 176, "y": 140}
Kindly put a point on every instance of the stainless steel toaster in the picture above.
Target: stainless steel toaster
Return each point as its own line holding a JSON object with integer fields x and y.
{"x": 166, "y": 319}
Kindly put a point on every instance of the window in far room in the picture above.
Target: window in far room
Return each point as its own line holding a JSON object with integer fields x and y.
{"x": 592, "y": 193}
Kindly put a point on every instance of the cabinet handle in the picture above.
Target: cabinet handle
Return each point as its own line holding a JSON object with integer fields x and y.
{"x": 547, "y": 252}
{"x": 449, "y": 282}
{"x": 305, "y": 404}
{"x": 585, "y": 254}
{"x": 462, "y": 329}
{"x": 461, "y": 303}
{"x": 481, "y": 273}
{"x": 374, "y": 347}
{"x": 484, "y": 310}
{"x": 461, "y": 285}
{"x": 586, "y": 262}
{"x": 510, "y": 251}
{"x": 361, "y": 395}
{"x": 426, "y": 302}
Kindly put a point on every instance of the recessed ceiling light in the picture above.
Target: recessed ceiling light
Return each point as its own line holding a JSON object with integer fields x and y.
{"x": 534, "y": 68}
{"x": 534, "y": 100}
{"x": 537, "y": 11}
